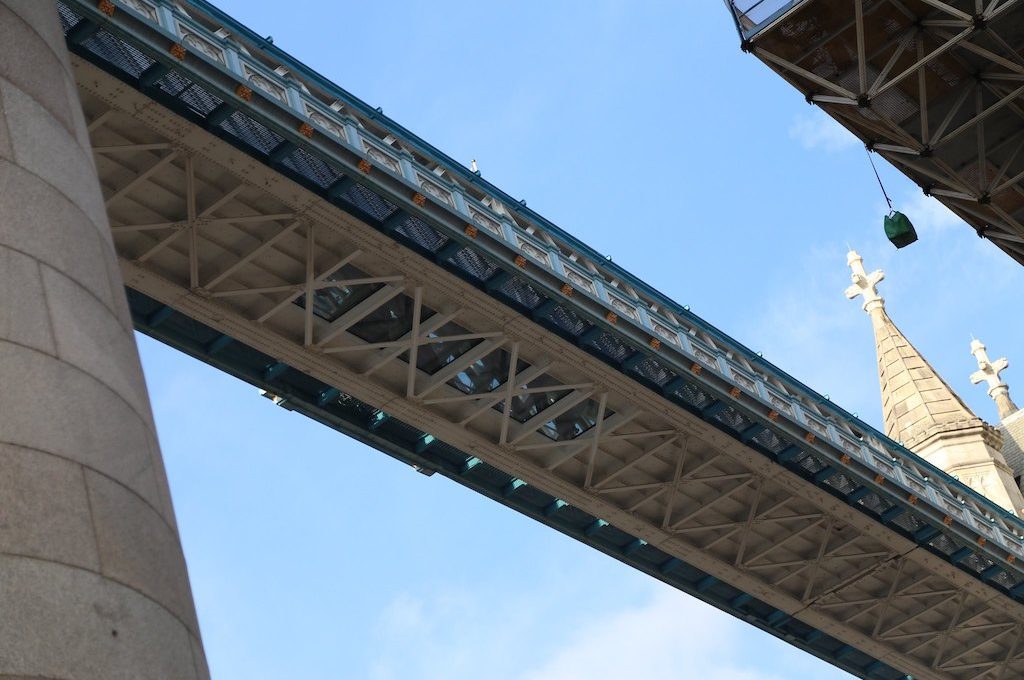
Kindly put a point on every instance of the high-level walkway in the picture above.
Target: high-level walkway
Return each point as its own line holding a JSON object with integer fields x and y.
{"x": 272, "y": 225}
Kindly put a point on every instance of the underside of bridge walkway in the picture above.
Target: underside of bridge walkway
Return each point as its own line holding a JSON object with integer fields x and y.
{"x": 936, "y": 87}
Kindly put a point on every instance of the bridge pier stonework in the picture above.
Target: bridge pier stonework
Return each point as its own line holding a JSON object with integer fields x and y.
{"x": 93, "y": 583}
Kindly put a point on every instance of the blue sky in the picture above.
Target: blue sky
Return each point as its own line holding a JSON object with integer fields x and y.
{"x": 641, "y": 128}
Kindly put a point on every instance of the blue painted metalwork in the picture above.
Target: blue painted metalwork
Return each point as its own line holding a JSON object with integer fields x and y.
{"x": 670, "y": 565}
{"x": 304, "y": 394}
{"x": 512, "y": 487}
{"x": 274, "y": 370}
{"x": 554, "y": 506}
{"x": 633, "y": 546}
{"x": 705, "y": 583}
{"x": 753, "y": 16}
{"x": 218, "y": 344}
{"x": 525, "y": 262}
{"x": 424, "y": 442}
{"x": 158, "y": 316}
{"x": 327, "y": 396}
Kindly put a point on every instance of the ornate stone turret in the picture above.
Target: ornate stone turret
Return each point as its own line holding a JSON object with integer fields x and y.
{"x": 923, "y": 412}
{"x": 988, "y": 371}
{"x": 1011, "y": 425}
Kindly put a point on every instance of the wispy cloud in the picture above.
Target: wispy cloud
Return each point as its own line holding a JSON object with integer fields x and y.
{"x": 671, "y": 636}
{"x": 927, "y": 214}
{"x": 447, "y": 635}
{"x": 665, "y": 634}
{"x": 815, "y": 334}
{"x": 815, "y": 130}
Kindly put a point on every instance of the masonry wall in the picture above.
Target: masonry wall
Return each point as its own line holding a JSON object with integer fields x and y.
{"x": 1012, "y": 428}
{"x": 93, "y": 584}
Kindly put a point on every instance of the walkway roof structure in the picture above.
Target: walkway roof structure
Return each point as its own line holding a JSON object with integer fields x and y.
{"x": 934, "y": 86}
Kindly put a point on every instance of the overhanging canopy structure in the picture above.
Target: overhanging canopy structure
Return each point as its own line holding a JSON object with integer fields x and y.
{"x": 934, "y": 86}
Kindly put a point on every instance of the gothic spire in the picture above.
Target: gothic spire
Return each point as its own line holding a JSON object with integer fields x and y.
{"x": 916, "y": 402}
{"x": 922, "y": 411}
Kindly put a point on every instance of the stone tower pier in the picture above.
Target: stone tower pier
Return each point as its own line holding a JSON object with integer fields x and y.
{"x": 93, "y": 584}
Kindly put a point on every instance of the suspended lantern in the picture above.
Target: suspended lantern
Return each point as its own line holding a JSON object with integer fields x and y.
{"x": 899, "y": 230}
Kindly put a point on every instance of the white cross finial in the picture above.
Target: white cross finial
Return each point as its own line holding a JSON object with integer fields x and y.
{"x": 988, "y": 372}
{"x": 863, "y": 283}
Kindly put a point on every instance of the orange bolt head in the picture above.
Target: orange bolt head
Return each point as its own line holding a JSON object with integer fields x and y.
{"x": 947, "y": 520}
{"x": 106, "y": 7}
{"x": 306, "y": 130}
{"x": 364, "y": 166}
{"x": 611, "y": 317}
{"x": 419, "y": 199}
{"x": 773, "y": 416}
{"x": 178, "y": 51}
{"x": 809, "y": 437}
{"x": 879, "y": 479}
{"x": 655, "y": 343}
{"x": 567, "y": 290}
{"x": 912, "y": 499}
{"x": 244, "y": 92}
{"x": 520, "y": 261}
{"x": 471, "y": 231}
{"x": 696, "y": 368}
{"x": 734, "y": 392}
{"x": 844, "y": 459}
{"x": 981, "y": 541}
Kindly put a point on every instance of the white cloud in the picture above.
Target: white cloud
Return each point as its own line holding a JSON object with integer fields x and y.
{"x": 928, "y": 215}
{"x": 807, "y": 327}
{"x": 671, "y": 636}
{"x": 447, "y": 635}
{"x": 666, "y": 634}
{"x": 816, "y": 130}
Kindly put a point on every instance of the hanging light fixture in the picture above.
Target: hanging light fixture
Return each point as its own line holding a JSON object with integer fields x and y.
{"x": 898, "y": 227}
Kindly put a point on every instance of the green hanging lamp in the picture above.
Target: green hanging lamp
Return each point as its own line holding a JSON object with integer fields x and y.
{"x": 898, "y": 227}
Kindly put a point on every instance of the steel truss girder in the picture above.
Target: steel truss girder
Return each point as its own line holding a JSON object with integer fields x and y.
{"x": 609, "y": 454}
{"x": 125, "y": 31}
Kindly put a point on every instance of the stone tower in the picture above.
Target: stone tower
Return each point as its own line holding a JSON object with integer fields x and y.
{"x": 923, "y": 413}
{"x": 1011, "y": 424}
{"x": 93, "y": 584}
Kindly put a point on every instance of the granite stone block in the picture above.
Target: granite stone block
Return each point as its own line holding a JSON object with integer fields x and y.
{"x": 43, "y": 223}
{"x": 48, "y": 149}
{"x": 23, "y": 315}
{"x": 63, "y": 622}
{"x": 45, "y": 510}
{"x": 59, "y": 409}
{"x": 138, "y": 548}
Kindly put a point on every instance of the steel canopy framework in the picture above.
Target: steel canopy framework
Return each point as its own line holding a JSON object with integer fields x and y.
{"x": 274, "y": 226}
{"x": 934, "y": 86}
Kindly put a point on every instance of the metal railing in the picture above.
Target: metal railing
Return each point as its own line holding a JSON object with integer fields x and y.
{"x": 753, "y": 15}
